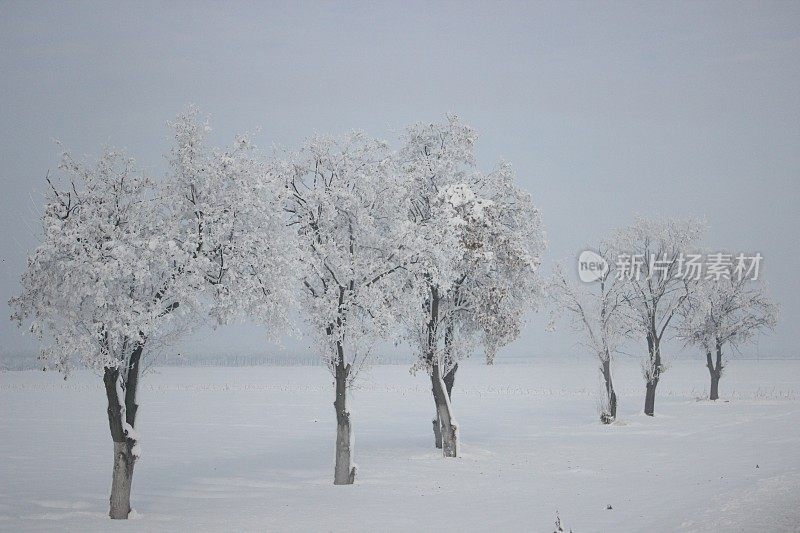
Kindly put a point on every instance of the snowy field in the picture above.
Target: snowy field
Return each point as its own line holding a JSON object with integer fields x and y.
{"x": 252, "y": 449}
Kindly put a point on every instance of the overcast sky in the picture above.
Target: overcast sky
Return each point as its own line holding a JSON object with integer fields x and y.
{"x": 606, "y": 110}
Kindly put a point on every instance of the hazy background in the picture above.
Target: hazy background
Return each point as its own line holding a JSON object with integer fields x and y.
{"x": 606, "y": 110}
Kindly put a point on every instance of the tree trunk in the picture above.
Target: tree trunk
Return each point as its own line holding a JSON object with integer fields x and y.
{"x": 447, "y": 426}
{"x": 447, "y": 429}
{"x": 609, "y": 413}
{"x": 437, "y": 430}
{"x": 124, "y": 439}
{"x": 449, "y": 378}
{"x": 344, "y": 473}
{"x": 449, "y": 381}
{"x": 650, "y": 398}
{"x": 653, "y": 373}
{"x": 715, "y": 372}
{"x": 714, "y": 393}
{"x": 120, "y": 501}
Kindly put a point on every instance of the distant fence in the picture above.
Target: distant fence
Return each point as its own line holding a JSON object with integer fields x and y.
{"x": 29, "y": 362}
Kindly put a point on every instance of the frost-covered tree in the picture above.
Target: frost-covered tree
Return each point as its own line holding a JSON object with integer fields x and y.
{"x": 477, "y": 242}
{"x": 345, "y": 204}
{"x": 649, "y": 257}
{"x": 231, "y": 214}
{"x": 435, "y": 157}
{"x": 726, "y": 311}
{"x": 125, "y": 262}
{"x": 596, "y": 311}
{"x": 106, "y": 281}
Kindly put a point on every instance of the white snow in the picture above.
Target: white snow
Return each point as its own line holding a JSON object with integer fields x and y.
{"x": 252, "y": 449}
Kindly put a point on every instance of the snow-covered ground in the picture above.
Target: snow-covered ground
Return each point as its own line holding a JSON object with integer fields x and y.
{"x": 252, "y": 449}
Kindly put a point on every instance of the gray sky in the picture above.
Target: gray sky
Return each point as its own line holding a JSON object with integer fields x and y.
{"x": 606, "y": 110}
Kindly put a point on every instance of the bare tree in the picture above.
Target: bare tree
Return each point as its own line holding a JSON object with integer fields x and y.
{"x": 729, "y": 310}
{"x": 649, "y": 257}
{"x": 597, "y": 312}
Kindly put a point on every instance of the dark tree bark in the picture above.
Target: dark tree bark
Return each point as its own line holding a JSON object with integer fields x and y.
{"x": 450, "y": 380}
{"x": 715, "y": 372}
{"x": 650, "y": 398}
{"x": 124, "y": 457}
{"x": 437, "y": 429}
{"x": 609, "y": 416}
{"x": 654, "y": 350}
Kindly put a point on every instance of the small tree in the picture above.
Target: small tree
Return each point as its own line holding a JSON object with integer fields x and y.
{"x": 597, "y": 312}
{"x": 648, "y": 256}
{"x": 729, "y": 310}
{"x": 345, "y": 203}
{"x": 477, "y": 243}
